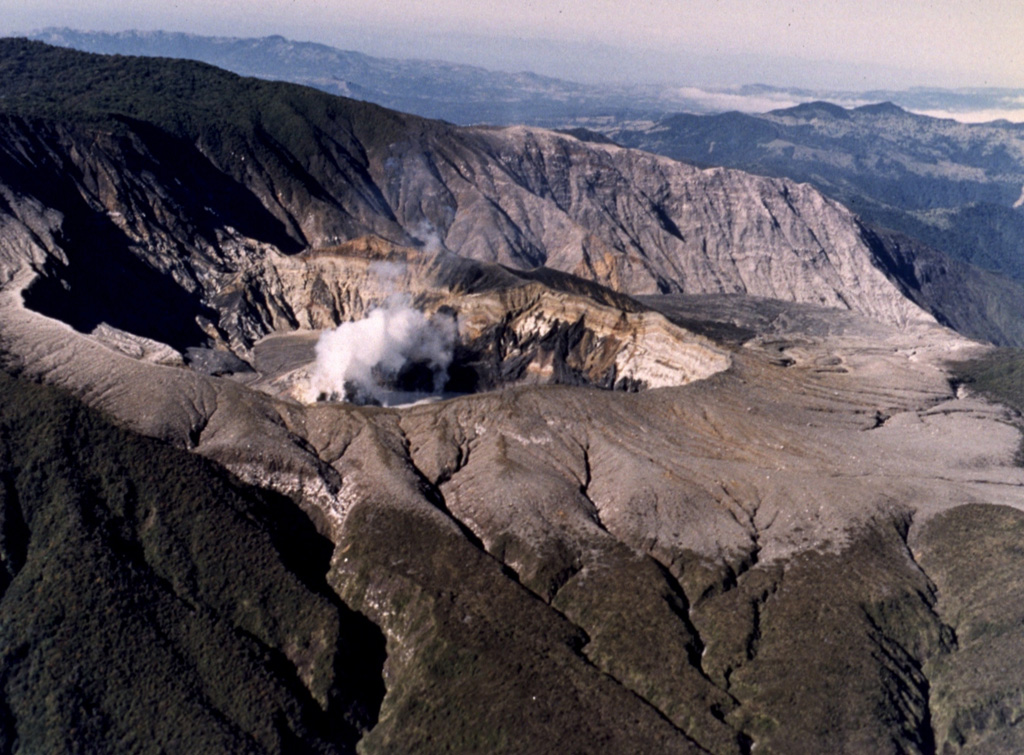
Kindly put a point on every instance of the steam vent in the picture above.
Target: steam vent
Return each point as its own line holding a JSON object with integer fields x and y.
{"x": 463, "y": 327}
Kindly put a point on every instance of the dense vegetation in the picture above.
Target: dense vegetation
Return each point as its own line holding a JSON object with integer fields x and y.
{"x": 999, "y": 376}
{"x": 973, "y": 555}
{"x": 183, "y": 97}
{"x": 253, "y": 153}
{"x": 148, "y": 602}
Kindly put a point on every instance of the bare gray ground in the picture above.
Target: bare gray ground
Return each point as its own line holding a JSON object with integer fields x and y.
{"x": 734, "y": 550}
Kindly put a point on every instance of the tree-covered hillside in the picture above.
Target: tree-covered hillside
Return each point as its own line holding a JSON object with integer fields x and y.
{"x": 148, "y": 602}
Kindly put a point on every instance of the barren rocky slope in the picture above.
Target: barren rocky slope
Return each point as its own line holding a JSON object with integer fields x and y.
{"x": 255, "y": 165}
{"x": 954, "y": 186}
{"x": 747, "y": 559}
{"x": 788, "y": 534}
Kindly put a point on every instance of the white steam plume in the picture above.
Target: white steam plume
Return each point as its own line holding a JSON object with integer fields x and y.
{"x": 361, "y": 361}
{"x": 425, "y": 232}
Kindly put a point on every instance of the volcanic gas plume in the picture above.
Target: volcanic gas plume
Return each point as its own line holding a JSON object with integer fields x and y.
{"x": 395, "y": 354}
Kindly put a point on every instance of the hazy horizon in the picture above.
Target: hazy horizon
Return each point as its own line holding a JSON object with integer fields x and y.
{"x": 842, "y": 44}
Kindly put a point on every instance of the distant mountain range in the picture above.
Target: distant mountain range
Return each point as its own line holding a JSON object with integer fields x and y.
{"x": 468, "y": 94}
{"x": 431, "y": 88}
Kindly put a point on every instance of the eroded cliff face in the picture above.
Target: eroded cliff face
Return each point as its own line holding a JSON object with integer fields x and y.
{"x": 185, "y": 227}
{"x": 645, "y": 224}
{"x": 197, "y": 256}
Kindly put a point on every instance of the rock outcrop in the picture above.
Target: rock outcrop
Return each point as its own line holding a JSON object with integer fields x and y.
{"x": 952, "y": 186}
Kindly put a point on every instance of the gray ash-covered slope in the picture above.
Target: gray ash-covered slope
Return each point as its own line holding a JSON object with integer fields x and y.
{"x": 178, "y": 167}
{"x": 956, "y": 187}
{"x": 149, "y": 601}
{"x": 748, "y": 559}
{"x": 763, "y": 554}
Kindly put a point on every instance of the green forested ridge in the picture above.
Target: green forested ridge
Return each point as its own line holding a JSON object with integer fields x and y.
{"x": 150, "y": 603}
{"x": 294, "y": 142}
{"x": 999, "y": 376}
{"x": 183, "y": 97}
{"x": 973, "y": 555}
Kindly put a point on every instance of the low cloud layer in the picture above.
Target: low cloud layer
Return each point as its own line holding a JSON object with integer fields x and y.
{"x": 965, "y": 106}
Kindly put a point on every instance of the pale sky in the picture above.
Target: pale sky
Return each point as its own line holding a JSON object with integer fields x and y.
{"x": 855, "y": 44}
